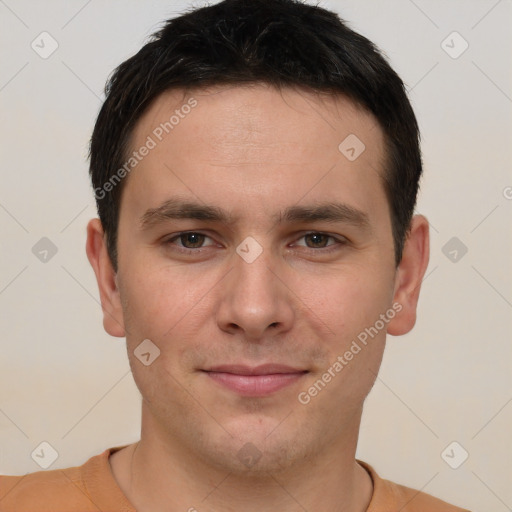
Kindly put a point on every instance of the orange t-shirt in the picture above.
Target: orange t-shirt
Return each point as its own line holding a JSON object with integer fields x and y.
{"x": 92, "y": 487}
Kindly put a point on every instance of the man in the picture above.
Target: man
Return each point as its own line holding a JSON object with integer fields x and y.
{"x": 255, "y": 167}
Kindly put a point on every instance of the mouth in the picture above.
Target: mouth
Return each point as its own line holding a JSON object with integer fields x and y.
{"x": 255, "y": 381}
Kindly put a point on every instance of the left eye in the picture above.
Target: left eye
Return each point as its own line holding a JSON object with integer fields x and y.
{"x": 317, "y": 240}
{"x": 190, "y": 240}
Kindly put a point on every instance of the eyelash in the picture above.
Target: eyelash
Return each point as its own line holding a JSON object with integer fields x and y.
{"x": 327, "y": 249}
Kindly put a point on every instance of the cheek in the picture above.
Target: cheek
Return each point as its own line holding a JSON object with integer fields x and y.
{"x": 352, "y": 309}
{"x": 173, "y": 310}
{"x": 354, "y": 349}
{"x": 347, "y": 301}
{"x": 162, "y": 300}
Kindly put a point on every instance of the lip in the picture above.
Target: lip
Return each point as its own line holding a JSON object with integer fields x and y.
{"x": 255, "y": 381}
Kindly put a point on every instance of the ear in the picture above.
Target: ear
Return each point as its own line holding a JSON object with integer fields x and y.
{"x": 409, "y": 276}
{"x": 96, "y": 249}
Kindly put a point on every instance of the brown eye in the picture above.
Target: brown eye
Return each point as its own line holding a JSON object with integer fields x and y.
{"x": 189, "y": 240}
{"x": 192, "y": 240}
{"x": 317, "y": 240}
{"x": 320, "y": 243}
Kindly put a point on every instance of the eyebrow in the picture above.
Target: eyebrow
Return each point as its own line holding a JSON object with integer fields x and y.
{"x": 179, "y": 209}
{"x": 326, "y": 212}
{"x": 176, "y": 208}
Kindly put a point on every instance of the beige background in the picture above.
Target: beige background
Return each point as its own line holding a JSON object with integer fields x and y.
{"x": 66, "y": 382}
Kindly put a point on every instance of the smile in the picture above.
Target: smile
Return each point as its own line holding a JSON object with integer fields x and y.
{"x": 258, "y": 381}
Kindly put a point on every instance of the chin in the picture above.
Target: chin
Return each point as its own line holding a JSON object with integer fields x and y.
{"x": 258, "y": 448}
{"x": 253, "y": 459}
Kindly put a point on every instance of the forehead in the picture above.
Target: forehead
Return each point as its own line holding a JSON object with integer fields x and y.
{"x": 256, "y": 112}
{"x": 249, "y": 140}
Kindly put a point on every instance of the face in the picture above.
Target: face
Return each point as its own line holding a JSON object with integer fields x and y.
{"x": 256, "y": 255}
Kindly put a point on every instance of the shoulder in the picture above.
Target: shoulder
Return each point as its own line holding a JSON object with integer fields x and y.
{"x": 412, "y": 500}
{"x": 43, "y": 491}
{"x": 85, "y": 488}
{"x": 392, "y": 497}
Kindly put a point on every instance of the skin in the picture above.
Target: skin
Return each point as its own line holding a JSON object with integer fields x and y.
{"x": 254, "y": 151}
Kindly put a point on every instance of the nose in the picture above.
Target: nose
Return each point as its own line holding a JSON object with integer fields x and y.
{"x": 255, "y": 301}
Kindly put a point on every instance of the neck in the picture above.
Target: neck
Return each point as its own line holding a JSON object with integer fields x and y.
{"x": 157, "y": 474}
